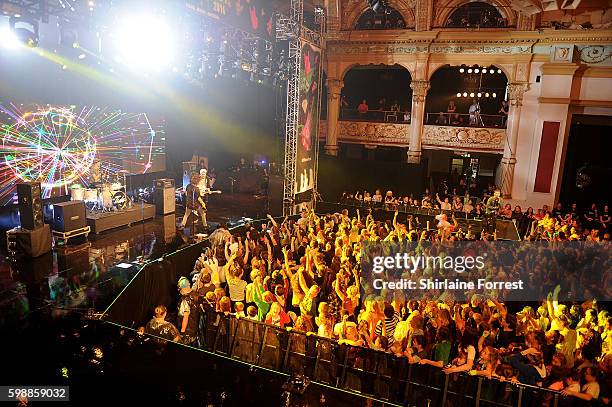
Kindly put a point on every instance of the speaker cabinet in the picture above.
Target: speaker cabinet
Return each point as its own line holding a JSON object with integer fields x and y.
{"x": 165, "y": 197}
{"x": 33, "y": 243}
{"x": 68, "y": 216}
{"x": 30, "y": 205}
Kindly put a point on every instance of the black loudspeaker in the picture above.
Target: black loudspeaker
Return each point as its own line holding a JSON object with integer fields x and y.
{"x": 275, "y": 195}
{"x": 69, "y": 216}
{"x": 30, "y": 205}
{"x": 165, "y": 196}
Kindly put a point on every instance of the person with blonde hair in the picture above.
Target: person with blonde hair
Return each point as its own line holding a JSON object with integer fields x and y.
{"x": 276, "y": 316}
{"x": 372, "y": 315}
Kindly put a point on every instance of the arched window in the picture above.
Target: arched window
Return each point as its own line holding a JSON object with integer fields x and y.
{"x": 387, "y": 18}
{"x": 475, "y": 15}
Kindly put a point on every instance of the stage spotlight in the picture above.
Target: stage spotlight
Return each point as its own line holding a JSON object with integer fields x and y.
{"x": 487, "y": 94}
{"x": 479, "y": 94}
{"x": 470, "y": 70}
{"x": 484, "y": 70}
{"x": 494, "y": 95}
{"x": 499, "y": 71}
{"x": 8, "y": 39}
{"x": 458, "y": 94}
{"x": 476, "y": 70}
{"x": 464, "y": 94}
{"x": 472, "y": 94}
{"x": 461, "y": 70}
{"x": 144, "y": 43}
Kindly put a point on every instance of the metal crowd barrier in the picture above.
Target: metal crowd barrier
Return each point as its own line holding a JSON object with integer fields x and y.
{"x": 382, "y": 211}
{"x": 362, "y": 371}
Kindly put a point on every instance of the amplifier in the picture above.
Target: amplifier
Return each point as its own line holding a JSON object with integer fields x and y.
{"x": 164, "y": 183}
{"x": 165, "y": 196}
{"x": 69, "y": 216}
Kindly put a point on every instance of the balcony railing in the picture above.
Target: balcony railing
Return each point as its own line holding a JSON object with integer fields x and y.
{"x": 376, "y": 115}
{"x": 466, "y": 120}
{"x": 397, "y": 134}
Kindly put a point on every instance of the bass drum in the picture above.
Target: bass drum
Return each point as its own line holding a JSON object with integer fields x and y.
{"x": 106, "y": 197}
{"x": 77, "y": 193}
{"x": 120, "y": 200}
{"x": 90, "y": 195}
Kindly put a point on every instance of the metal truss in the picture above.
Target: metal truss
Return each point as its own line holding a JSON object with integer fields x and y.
{"x": 40, "y": 10}
{"x": 291, "y": 125}
{"x": 290, "y": 28}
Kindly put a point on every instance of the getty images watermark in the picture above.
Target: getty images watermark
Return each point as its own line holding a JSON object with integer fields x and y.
{"x": 520, "y": 271}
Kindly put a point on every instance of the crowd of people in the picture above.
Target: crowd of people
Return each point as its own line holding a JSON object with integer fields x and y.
{"x": 305, "y": 275}
{"x": 563, "y": 222}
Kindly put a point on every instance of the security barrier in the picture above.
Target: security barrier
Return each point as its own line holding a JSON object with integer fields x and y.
{"x": 368, "y": 372}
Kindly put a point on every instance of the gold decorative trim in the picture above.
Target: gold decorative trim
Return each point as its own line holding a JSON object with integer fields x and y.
{"x": 598, "y": 72}
{"x": 559, "y": 68}
{"x": 592, "y": 103}
{"x": 464, "y": 137}
{"x": 541, "y": 58}
{"x": 575, "y": 102}
{"x": 555, "y": 101}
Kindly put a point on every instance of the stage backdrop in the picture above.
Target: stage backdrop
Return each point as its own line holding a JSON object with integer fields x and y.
{"x": 60, "y": 146}
{"x": 308, "y": 122}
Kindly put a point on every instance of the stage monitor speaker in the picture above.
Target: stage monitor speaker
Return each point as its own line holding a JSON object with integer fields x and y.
{"x": 33, "y": 243}
{"x": 68, "y": 216}
{"x": 30, "y": 205}
{"x": 165, "y": 196}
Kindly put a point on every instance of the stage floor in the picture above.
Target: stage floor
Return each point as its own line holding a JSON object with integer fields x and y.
{"x": 84, "y": 274}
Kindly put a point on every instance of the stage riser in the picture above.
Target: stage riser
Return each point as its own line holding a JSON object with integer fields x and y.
{"x": 99, "y": 222}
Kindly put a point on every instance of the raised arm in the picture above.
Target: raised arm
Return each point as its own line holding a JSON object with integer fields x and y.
{"x": 272, "y": 220}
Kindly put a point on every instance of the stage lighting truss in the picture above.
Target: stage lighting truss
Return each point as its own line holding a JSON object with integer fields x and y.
{"x": 233, "y": 53}
{"x": 290, "y": 28}
{"x": 75, "y": 11}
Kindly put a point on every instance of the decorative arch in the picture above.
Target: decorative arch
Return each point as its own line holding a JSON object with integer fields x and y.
{"x": 356, "y": 9}
{"x": 346, "y": 68}
{"x": 444, "y": 8}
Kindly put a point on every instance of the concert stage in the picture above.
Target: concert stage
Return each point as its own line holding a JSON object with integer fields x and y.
{"x": 101, "y": 221}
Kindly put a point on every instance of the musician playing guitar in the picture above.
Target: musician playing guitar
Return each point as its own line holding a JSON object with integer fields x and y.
{"x": 194, "y": 201}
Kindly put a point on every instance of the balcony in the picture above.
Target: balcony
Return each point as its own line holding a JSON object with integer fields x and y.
{"x": 377, "y": 128}
{"x": 377, "y": 115}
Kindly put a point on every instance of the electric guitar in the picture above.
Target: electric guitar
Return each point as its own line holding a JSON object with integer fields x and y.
{"x": 210, "y": 192}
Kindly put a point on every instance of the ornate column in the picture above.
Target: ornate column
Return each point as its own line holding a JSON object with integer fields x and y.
{"x": 419, "y": 92}
{"x": 423, "y": 12}
{"x": 515, "y": 97}
{"x": 334, "y": 88}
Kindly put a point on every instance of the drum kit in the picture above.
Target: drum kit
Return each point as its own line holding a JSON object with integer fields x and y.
{"x": 107, "y": 196}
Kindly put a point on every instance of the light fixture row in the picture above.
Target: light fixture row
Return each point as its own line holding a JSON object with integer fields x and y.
{"x": 479, "y": 94}
{"x": 478, "y": 69}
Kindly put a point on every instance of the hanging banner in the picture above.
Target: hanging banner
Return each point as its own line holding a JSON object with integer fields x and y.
{"x": 308, "y": 122}
{"x": 254, "y": 16}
